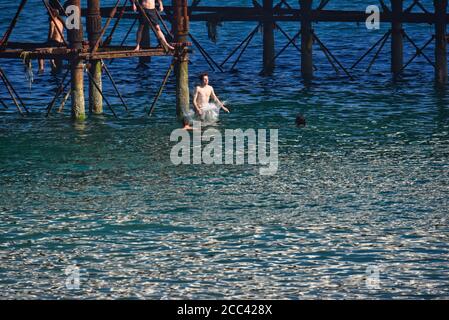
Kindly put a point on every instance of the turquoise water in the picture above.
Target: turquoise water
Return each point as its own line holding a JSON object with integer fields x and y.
{"x": 366, "y": 183}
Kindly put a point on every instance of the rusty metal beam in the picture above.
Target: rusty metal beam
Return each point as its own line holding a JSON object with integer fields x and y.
{"x": 64, "y": 53}
{"x": 44, "y": 53}
{"x": 235, "y": 13}
{"x": 130, "y": 53}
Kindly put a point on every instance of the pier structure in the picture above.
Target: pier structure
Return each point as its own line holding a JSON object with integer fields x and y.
{"x": 86, "y": 55}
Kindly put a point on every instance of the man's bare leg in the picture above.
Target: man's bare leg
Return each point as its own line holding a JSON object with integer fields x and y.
{"x": 139, "y": 36}
{"x": 41, "y": 65}
{"x": 159, "y": 34}
{"x": 161, "y": 37}
{"x": 54, "y": 67}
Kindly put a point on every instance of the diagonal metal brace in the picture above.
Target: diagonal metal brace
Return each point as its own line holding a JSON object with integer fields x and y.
{"x": 419, "y": 51}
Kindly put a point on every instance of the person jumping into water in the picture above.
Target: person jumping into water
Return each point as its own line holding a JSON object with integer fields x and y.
{"x": 149, "y": 6}
{"x": 201, "y": 100}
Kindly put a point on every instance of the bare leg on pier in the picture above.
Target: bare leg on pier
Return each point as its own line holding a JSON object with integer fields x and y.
{"x": 160, "y": 36}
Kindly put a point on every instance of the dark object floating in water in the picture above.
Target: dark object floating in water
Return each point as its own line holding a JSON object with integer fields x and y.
{"x": 300, "y": 121}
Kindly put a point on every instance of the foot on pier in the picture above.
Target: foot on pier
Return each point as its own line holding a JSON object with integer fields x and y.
{"x": 168, "y": 48}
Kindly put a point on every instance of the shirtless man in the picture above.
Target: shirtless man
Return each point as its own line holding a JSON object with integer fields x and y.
{"x": 54, "y": 38}
{"x": 203, "y": 93}
{"x": 149, "y": 6}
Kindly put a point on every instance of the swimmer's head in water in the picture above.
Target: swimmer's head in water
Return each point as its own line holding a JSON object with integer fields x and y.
{"x": 300, "y": 120}
{"x": 204, "y": 78}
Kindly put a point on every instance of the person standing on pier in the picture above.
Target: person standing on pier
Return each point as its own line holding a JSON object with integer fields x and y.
{"x": 149, "y": 7}
{"x": 55, "y": 30}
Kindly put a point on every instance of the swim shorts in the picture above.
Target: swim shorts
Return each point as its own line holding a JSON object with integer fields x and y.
{"x": 151, "y": 14}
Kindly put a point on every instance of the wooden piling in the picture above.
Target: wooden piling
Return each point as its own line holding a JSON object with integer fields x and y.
{"x": 306, "y": 40}
{"x": 77, "y": 65}
{"x": 441, "y": 72}
{"x": 268, "y": 38}
{"x": 94, "y": 30}
{"x": 397, "y": 43}
{"x": 181, "y": 31}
